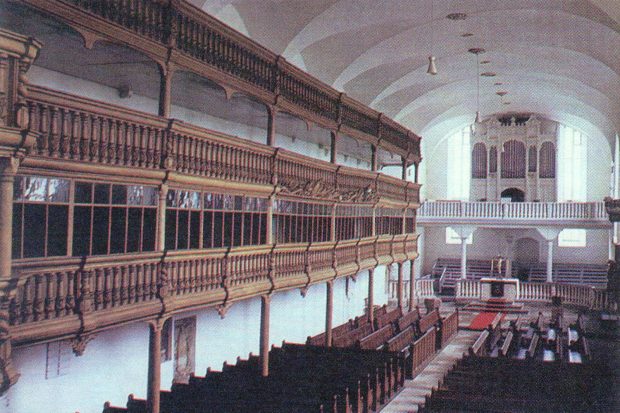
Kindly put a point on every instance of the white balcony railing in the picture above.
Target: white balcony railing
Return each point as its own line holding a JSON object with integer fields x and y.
{"x": 580, "y": 295}
{"x": 576, "y": 214}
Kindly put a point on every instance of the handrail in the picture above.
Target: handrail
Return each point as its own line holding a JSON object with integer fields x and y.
{"x": 442, "y": 278}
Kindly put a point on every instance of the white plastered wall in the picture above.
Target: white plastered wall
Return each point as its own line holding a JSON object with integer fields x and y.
{"x": 115, "y": 362}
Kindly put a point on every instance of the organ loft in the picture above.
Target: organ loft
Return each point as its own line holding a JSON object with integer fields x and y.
{"x": 324, "y": 206}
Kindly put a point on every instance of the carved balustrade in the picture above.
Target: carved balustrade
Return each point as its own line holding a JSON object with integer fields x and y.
{"x": 64, "y": 288}
{"x": 206, "y": 46}
{"x": 80, "y": 129}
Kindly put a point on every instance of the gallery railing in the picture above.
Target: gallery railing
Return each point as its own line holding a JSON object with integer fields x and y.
{"x": 80, "y": 129}
{"x": 104, "y": 290}
{"x": 252, "y": 68}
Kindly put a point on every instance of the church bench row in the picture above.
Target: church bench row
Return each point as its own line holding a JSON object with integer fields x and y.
{"x": 350, "y": 325}
{"x": 300, "y": 377}
{"x": 485, "y": 384}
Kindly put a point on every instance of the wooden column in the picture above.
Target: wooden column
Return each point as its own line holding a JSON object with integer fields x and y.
{"x": 415, "y": 171}
{"x": 165, "y": 91}
{"x": 269, "y": 223}
{"x": 329, "y": 313}
{"x": 332, "y": 229}
{"x": 411, "y": 285}
{"x": 334, "y": 147}
{"x": 154, "y": 373}
{"x": 161, "y": 218}
{"x": 371, "y": 295}
{"x": 17, "y": 53}
{"x": 373, "y": 158}
{"x": 264, "y": 334}
{"x": 399, "y": 292}
{"x": 8, "y": 169}
{"x": 404, "y": 171}
{"x": 271, "y": 126}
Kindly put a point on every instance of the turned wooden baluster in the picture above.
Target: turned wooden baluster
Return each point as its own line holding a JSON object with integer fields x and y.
{"x": 50, "y": 294}
{"x": 37, "y": 304}
{"x": 132, "y": 283}
{"x": 123, "y": 275}
{"x": 54, "y": 136}
{"x": 65, "y": 133}
{"x": 71, "y": 297}
{"x": 43, "y": 129}
{"x": 141, "y": 146}
{"x": 93, "y": 143}
{"x": 58, "y": 280}
{"x": 106, "y": 287}
{"x": 70, "y": 145}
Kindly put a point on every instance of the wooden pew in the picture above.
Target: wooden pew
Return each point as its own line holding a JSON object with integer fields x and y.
{"x": 423, "y": 349}
{"x": 448, "y": 327}
{"x": 531, "y": 351}
{"x": 479, "y": 347}
{"x": 506, "y": 345}
{"x": 495, "y": 333}
{"x": 376, "y": 340}
{"x": 388, "y": 318}
{"x": 402, "y": 341}
{"x": 350, "y": 338}
{"x": 428, "y": 320}
{"x": 408, "y": 319}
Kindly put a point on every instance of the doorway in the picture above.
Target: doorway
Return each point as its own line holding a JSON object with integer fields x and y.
{"x": 515, "y": 194}
{"x": 526, "y": 255}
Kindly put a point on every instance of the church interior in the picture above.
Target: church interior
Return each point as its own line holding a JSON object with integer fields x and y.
{"x": 293, "y": 206}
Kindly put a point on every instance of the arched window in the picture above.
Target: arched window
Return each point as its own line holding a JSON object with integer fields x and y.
{"x": 532, "y": 157}
{"x": 479, "y": 161}
{"x": 493, "y": 160}
{"x": 547, "y": 160}
{"x": 513, "y": 160}
{"x": 459, "y": 167}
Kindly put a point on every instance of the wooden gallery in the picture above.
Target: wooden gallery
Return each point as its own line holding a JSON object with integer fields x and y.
{"x": 221, "y": 206}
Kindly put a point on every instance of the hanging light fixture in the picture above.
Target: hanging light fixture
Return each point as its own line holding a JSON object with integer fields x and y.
{"x": 432, "y": 66}
{"x": 477, "y": 51}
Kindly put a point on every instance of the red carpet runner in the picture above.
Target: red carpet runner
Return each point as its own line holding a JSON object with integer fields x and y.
{"x": 482, "y": 321}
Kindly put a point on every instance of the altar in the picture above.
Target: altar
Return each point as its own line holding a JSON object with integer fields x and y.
{"x": 504, "y": 290}
{"x": 497, "y": 295}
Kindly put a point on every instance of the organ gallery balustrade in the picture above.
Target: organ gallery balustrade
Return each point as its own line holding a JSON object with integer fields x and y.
{"x": 201, "y": 44}
{"x": 582, "y": 214}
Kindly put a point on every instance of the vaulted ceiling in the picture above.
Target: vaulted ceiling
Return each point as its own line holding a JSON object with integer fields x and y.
{"x": 557, "y": 58}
